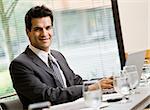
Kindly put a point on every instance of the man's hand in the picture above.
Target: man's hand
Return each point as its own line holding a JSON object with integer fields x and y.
{"x": 106, "y": 83}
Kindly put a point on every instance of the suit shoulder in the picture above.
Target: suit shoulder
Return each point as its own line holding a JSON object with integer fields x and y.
{"x": 22, "y": 57}
{"x": 56, "y": 52}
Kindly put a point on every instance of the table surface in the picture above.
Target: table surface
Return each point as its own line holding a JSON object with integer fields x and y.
{"x": 137, "y": 101}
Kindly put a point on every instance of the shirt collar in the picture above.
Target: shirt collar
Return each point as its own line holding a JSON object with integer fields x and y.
{"x": 37, "y": 51}
{"x": 42, "y": 54}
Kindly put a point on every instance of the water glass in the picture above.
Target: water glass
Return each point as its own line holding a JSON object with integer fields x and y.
{"x": 132, "y": 77}
{"x": 145, "y": 73}
{"x": 121, "y": 85}
{"x": 92, "y": 97}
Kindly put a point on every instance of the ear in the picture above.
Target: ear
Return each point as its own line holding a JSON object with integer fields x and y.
{"x": 27, "y": 31}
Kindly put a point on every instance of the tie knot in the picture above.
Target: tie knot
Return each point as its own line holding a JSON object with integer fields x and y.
{"x": 51, "y": 61}
{"x": 49, "y": 57}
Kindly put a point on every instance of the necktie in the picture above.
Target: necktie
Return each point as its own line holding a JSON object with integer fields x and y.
{"x": 54, "y": 66}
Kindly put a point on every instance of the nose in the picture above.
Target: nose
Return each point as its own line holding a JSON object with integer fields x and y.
{"x": 44, "y": 33}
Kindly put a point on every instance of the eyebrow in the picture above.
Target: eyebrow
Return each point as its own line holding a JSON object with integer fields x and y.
{"x": 41, "y": 27}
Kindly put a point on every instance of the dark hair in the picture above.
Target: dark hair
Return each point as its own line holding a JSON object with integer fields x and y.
{"x": 37, "y": 12}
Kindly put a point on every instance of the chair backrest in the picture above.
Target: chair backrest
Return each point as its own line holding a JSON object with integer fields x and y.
{"x": 40, "y": 106}
{"x": 14, "y": 104}
{"x": 1, "y": 107}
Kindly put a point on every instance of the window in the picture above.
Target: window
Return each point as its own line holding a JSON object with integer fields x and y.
{"x": 84, "y": 31}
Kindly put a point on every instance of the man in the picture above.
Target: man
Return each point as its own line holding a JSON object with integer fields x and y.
{"x": 34, "y": 76}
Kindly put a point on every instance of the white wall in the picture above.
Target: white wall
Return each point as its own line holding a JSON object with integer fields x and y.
{"x": 134, "y": 24}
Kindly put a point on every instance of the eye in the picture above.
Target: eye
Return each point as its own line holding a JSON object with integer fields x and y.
{"x": 37, "y": 29}
{"x": 49, "y": 27}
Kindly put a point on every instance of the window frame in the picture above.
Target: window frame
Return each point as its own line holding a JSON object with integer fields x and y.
{"x": 119, "y": 37}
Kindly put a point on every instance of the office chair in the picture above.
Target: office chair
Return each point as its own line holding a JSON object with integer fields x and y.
{"x": 14, "y": 104}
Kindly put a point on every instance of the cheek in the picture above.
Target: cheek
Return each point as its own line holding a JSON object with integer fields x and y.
{"x": 35, "y": 34}
{"x": 51, "y": 33}
{"x": 33, "y": 37}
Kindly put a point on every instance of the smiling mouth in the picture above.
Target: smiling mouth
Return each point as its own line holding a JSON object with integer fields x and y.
{"x": 44, "y": 38}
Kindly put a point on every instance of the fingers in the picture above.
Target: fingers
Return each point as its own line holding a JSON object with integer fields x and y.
{"x": 106, "y": 86}
{"x": 106, "y": 83}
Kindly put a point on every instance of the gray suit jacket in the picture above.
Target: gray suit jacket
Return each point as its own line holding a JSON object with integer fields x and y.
{"x": 35, "y": 82}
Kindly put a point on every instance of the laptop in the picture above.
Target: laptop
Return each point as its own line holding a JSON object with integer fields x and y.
{"x": 136, "y": 59}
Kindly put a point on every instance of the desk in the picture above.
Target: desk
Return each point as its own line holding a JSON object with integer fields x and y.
{"x": 138, "y": 102}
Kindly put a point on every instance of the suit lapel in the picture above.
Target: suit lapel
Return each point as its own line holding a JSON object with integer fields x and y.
{"x": 41, "y": 64}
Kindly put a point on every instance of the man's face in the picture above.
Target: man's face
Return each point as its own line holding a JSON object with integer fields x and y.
{"x": 41, "y": 33}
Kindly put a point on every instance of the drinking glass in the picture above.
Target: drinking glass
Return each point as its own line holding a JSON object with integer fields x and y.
{"x": 121, "y": 85}
{"x": 132, "y": 76}
{"x": 92, "y": 97}
{"x": 146, "y": 74}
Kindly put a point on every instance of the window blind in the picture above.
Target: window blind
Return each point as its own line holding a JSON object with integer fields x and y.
{"x": 83, "y": 31}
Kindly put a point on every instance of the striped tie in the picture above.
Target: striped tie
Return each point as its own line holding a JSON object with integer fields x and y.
{"x": 54, "y": 66}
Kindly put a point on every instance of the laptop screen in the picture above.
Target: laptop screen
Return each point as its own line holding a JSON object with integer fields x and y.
{"x": 136, "y": 59}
